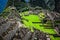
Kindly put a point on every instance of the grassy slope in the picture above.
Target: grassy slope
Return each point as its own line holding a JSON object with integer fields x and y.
{"x": 39, "y": 26}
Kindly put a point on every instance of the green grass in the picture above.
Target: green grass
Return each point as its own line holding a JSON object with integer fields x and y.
{"x": 39, "y": 26}
{"x": 54, "y": 38}
{"x": 32, "y": 18}
{"x": 35, "y": 18}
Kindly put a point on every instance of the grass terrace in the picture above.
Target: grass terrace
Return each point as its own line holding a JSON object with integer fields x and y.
{"x": 35, "y": 21}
